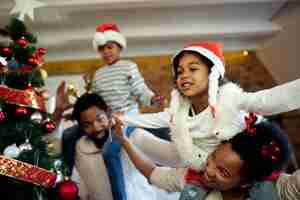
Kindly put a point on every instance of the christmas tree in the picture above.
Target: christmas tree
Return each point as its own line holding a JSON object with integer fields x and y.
{"x": 27, "y": 169}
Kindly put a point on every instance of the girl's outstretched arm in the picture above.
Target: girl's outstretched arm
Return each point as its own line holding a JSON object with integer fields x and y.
{"x": 279, "y": 99}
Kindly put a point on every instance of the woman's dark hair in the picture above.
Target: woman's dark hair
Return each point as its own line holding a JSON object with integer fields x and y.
{"x": 263, "y": 152}
{"x": 85, "y": 102}
{"x": 204, "y": 59}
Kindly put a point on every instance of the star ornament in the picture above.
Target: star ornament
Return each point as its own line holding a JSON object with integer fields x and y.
{"x": 26, "y": 7}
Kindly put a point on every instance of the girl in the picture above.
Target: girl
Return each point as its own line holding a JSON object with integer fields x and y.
{"x": 201, "y": 115}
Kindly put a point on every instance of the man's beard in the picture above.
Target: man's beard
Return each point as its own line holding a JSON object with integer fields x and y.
{"x": 99, "y": 142}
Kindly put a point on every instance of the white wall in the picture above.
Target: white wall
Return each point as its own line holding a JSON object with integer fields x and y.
{"x": 281, "y": 54}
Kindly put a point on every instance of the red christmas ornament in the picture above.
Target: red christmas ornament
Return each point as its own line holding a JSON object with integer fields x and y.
{"x": 21, "y": 111}
{"x": 42, "y": 51}
{"x": 29, "y": 88}
{"x": 32, "y": 61}
{"x": 49, "y": 126}
{"x": 67, "y": 190}
{"x": 22, "y": 42}
{"x": 7, "y": 51}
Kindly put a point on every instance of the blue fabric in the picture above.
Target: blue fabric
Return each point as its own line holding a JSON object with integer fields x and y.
{"x": 260, "y": 191}
{"x": 191, "y": 192}
{"x": 114, "y": 167}
{"x": 264, "y": 190}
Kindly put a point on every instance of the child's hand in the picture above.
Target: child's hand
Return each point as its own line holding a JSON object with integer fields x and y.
{"x": 119, "y": 115}
{"x": 117, "y": 125}
{"x": 158, "y": 101}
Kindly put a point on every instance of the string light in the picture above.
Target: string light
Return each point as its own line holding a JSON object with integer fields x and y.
{"x": 245, "y": 53}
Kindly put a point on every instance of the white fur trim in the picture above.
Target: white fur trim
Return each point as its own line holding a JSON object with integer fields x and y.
{"x": 218, "y": 64}
{"x": 188, "y": 152}
{"x": 231, "y": 119}
{"x": 101, "y": 39}
{"x": 228, "y": 94}
{"x": 175, "y": 101}
{"x": 213, "y": 86}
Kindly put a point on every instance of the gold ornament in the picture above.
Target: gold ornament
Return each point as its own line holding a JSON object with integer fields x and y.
{"x": 72, "y": 91}
{"x": 54, "y": 147}
{"x": 88, "y": 79}
{"x": 44, "y": 74}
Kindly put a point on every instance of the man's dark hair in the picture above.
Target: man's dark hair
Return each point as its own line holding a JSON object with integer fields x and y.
{"x": 85, "y": 102}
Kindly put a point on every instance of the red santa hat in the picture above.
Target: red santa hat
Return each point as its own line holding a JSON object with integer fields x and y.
{"x": 108, "y": 33}
{"x": 213, "y": 52}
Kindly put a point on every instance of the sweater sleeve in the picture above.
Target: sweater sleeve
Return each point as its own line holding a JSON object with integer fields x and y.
{"x": 282, "y": 98}
{"x": 139, "y": 88}
{"x": 148, "y": 120}
{"x": 288, "y": 186}
{"x": 169, "y": 179}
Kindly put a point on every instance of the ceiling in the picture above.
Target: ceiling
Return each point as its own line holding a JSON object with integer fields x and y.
{"x": 152, "y": 27}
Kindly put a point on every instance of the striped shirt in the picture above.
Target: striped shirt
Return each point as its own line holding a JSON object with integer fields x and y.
{"x": 121, "y": 86}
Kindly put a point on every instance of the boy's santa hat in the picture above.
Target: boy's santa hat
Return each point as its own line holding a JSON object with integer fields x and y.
{"x": 108, "y": 33}
{"x": 213, "y": 52}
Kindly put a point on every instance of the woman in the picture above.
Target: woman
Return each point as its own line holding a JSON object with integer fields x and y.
{"x": 234, "y": 167}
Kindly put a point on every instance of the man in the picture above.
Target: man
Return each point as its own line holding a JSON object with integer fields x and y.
{"x": 82, "y": 146}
